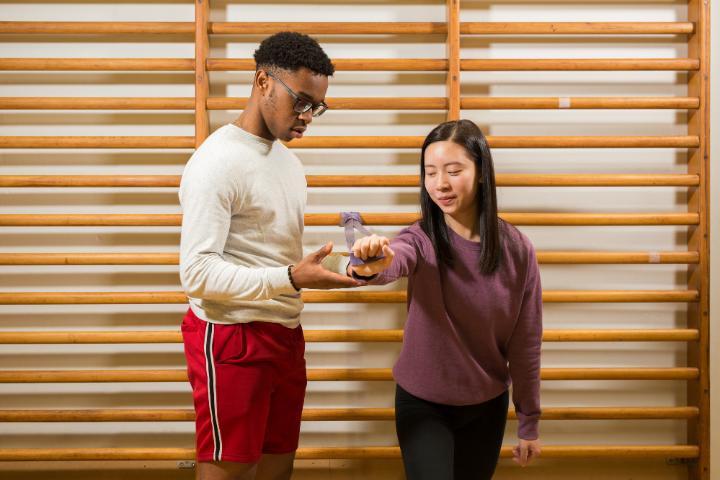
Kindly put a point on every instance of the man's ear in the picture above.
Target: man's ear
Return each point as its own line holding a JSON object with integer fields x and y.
{"x": 261, "y": 81}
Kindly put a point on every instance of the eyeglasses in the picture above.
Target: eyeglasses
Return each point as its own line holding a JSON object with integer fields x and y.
{"x": 302, "y": 105}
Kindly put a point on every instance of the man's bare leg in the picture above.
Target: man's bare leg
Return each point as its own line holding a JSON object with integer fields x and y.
{"x": 275, "y": 467}
{"x": 224, "y": 471}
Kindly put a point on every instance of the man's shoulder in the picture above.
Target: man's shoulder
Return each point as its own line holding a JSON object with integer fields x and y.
{"x": 221, "y": 152}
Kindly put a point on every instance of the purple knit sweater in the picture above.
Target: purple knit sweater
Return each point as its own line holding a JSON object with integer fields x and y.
{"x": 468, "y": 335}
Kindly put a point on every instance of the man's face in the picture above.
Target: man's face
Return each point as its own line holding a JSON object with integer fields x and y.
{"x": 278, "y": 105}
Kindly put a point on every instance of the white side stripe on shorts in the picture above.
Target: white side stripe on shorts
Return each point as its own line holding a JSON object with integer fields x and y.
{"x": 212, "y": 393}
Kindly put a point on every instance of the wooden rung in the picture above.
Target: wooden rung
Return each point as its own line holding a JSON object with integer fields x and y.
{"x": 362, "y": 103}
{"x": 305, "y": 453}
{"x": 338, "y": 414}
{"x": 585, "y": 64}
{"x": 502, "y": 180}
{"x": 28, "y": 141}
{"x": 346, "y": 296}
{"x": 97, "y": 103}
{"x": 98, "y": 64}
{"x": 333, "y": 219}
{"x": 624, "y": 335}
{"x": 511, "y": 103}
{"x": 354, "y": 64}
{"x": 331, "y": 374}
{"x": 575, "y": 28}
{"x": 89, "y": 258}
{"x": 97, "y": 142}
{"x": 467, "y": 28}
{"x": 341, "y": 64}
{"x": 80, "y": 28}
{"x": 353, "y": 28}
{"x": 156, "y": 181}
{"x": 113, "y": 337}
{"x": 547, "y": 257}
{"x": 329, "y": 28}
{"x": 426, "y": 64}
{"x": 341, "y": 103}
{"x": 159, "y": 258}
{"x": 506, "y": 142}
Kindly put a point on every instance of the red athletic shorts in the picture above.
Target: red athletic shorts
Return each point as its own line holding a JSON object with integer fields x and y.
{"x": 248, "y": 382}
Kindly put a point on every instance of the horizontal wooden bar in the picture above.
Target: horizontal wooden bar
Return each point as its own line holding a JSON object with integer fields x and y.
{"x": 354, "y": 64}
{"x": 348, "y": 103}
{"x": 577, "y": 103}
{"x": 98, "y": 64}
{"x": 89, "y": 258}
{"x": 575, "y": 64}
{"x": 59, "y": 220}
{"x": 339, "y": 296}
{"x": 549, "y": 257}
{"x": 506, "y": 142}
{"x": 360, "y": 103}
{"x": 305, "y": 453}
{"x": 331, "y": 219}
{"x": 622, "y": 335}
{"x": 356, "y": 142}
{"x": 160, "y": 258}
{"x": 501, "y": 179}
{"x": 341, "y": 64}
{"x": 337, "y": 414}
{"x": 331, "y": 374}
{"x": 575, "y": 28}
{"x": 92, "y": 298}
{"x": 143, "y": 141}
{"x": 467, "y": 28}
{"x": 113, "y": 337}
{"x": 353, "y": 28}
{"x": 383, "y": 64}
{"x": 79, "y": 28}
{"x": 329, "y": 28}
{"x": 97, "y": 103}
{"x": 73, "y": 181}
{"x": 610, "y": 296}
{"x": 231, "y": 28}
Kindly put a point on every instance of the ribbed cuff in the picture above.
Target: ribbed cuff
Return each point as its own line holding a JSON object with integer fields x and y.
{"x": 528, "y": 427}
{"x": 279, "y": 281}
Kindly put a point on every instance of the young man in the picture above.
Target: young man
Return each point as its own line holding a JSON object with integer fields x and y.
{"x": 243, "y": 197}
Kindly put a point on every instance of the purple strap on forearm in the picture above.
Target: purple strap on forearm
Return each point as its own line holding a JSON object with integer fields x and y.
{"x": 352, "y": 221}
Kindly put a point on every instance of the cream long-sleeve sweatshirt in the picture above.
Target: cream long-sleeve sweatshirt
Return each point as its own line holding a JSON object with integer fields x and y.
{"x": 243, "y": 200}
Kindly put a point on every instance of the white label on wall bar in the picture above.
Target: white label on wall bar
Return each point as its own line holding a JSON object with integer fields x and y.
{"x": 564, "y": 102}
{"x": 654, "y": 257}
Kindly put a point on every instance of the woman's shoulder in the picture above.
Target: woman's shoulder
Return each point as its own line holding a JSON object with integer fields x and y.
{"x": 416, "y": 236}
{"x": 515, "y": 242}
{"x": 414, "y": 231}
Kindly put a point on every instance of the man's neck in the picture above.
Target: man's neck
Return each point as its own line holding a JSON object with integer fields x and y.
{"x": 251, "y": 121}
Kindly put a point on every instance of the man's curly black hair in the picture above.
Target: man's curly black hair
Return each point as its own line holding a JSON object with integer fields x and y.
{"x": 292, "y": 51}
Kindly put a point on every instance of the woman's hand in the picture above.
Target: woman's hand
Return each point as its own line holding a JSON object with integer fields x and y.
{"x": 526, "y": 451}
{"x": 368, "y": 247}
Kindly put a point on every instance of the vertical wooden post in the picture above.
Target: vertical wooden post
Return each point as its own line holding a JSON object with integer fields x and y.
{"x": 453, "y": 55}
{"x": 698, "y": 393}
{"x": 202, "y": 85}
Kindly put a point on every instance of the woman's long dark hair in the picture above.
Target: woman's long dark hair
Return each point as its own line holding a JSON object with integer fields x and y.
{"x": 466, "y": 134}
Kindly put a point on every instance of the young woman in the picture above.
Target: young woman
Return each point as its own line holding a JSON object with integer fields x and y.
{"x": 474, "y": 321}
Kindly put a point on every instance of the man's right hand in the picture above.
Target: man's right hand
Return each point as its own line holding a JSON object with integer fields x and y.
{"x": 310, "y": 273}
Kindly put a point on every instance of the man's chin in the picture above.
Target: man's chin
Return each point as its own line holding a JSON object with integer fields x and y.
{"x": 289, "y": 136}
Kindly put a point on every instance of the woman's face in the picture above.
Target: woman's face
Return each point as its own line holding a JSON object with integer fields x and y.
{"x": 451, "y": 178}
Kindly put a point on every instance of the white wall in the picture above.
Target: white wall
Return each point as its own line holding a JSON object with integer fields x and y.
{"x": 336, "y": 394}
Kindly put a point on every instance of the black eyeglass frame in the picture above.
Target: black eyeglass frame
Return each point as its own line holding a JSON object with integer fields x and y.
{"x": 301, "y": 105}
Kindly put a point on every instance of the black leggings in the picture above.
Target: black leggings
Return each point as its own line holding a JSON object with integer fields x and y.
{"x": 446, "y": 442}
